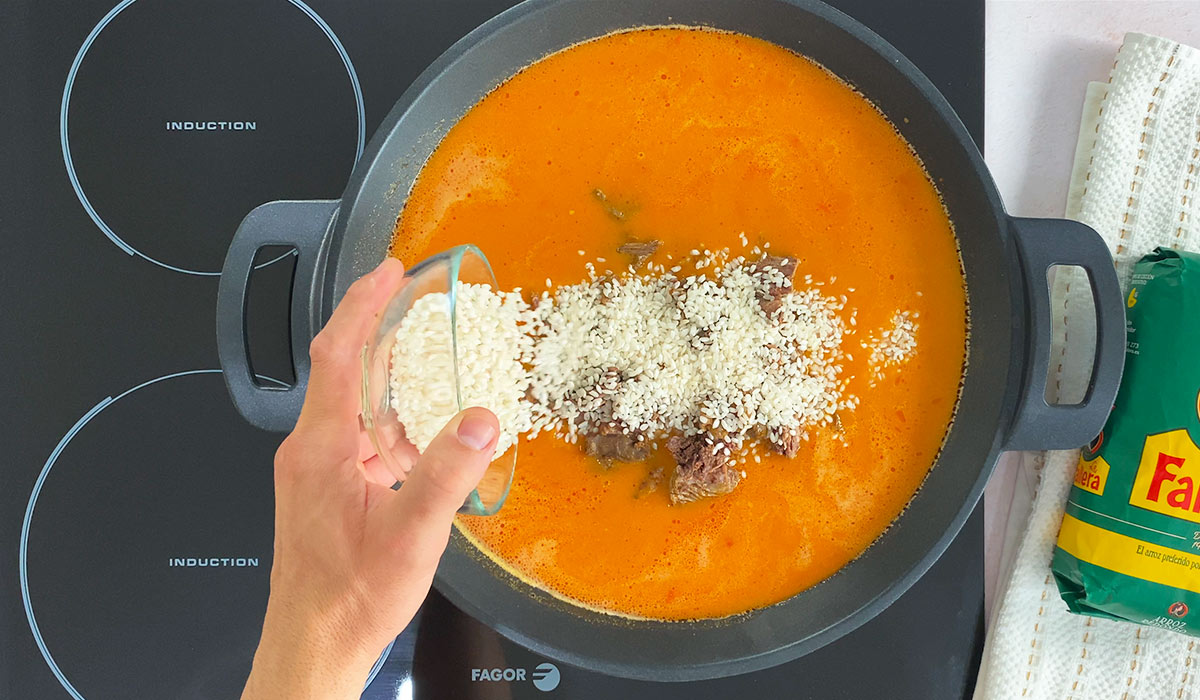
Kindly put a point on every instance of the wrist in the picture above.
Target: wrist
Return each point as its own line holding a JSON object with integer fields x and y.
{"x": 301, "y": 657}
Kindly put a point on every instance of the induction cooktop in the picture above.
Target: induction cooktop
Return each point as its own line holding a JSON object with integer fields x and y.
{"x": 136, "y": 505}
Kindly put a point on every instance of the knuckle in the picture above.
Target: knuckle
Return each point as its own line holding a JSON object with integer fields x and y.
{"x": 447, "y": 482}
{"x": 359, "y": 291}
{"x": 437, "y": 473}
{"x": 444, "y": 492}
{"x": 288, "y": 450}
{"x": 324, "y": 349}
{"x": 283, "y": 451}
{"x": 285, "y": 458}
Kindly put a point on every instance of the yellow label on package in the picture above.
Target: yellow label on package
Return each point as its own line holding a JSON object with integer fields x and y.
{"x": 1129, "y": 555}
{"x": 1168, "y": 476}
{"x": 1091, "y": 475}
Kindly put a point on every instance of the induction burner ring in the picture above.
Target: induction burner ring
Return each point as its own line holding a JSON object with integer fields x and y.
{"x": 33, "y": 497}
{"x": 66, "y": 145}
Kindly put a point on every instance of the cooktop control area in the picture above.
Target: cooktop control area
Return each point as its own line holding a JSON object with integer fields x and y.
{"x": 136, "y": 513}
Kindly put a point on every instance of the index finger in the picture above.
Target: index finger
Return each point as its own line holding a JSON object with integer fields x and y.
{"x": 334, "y": 376}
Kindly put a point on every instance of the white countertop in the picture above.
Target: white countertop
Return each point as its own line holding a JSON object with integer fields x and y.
{"x": 1040, "y": 55}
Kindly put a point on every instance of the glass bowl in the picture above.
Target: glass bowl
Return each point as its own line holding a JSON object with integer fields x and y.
{"x": 439, "y": 274}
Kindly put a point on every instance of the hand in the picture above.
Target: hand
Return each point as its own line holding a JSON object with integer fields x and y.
{"x": 353, "y": 558}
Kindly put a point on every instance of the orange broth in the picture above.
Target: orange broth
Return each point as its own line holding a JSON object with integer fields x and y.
{"x": 699, "y": 136}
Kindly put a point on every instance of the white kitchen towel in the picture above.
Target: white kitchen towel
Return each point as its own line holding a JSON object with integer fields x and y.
{"x": 1136, "y": 176}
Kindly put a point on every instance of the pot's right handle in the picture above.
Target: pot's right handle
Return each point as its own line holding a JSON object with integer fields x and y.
{"x": 1041, "y": 244}
{"x": 302, "y": 225}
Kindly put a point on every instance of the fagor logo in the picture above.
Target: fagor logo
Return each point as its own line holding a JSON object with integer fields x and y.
{"x": 545, "y": 677}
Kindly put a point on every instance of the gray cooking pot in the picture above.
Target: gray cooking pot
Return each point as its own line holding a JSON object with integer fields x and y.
{"x": 1005, "y": 260}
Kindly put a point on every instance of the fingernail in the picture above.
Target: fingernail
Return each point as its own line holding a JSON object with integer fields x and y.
{"x": 476, "y": 433}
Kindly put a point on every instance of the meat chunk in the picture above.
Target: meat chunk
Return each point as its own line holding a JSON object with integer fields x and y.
{"x": 614, "y": 446}
{"x": 786, "y": 443}
{"x": 770, "y": 303}
{"x": 608, "y": 439}
{"x": 640, "y": 251}
{"x": 702, "y": 468}
{"x": 785, "y": 264}
{"x": 771, "y": 298}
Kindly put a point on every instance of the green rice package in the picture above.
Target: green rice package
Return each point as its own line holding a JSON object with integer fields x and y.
{"x": 1129, "y": 547}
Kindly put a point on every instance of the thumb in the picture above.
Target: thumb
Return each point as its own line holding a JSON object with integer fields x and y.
{"x": 445, "y": 474}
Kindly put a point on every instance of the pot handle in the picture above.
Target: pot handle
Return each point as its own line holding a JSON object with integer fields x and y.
{"x": 1041, "y": 244}
{"x": 302, "y": 225}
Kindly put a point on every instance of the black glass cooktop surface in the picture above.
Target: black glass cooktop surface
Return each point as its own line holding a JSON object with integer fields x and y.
{"x": 135, "y": 505}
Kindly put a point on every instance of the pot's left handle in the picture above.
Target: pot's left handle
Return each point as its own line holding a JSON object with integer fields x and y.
{"x": 302, "y": 225}
{"x": 1041, "y": 244}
